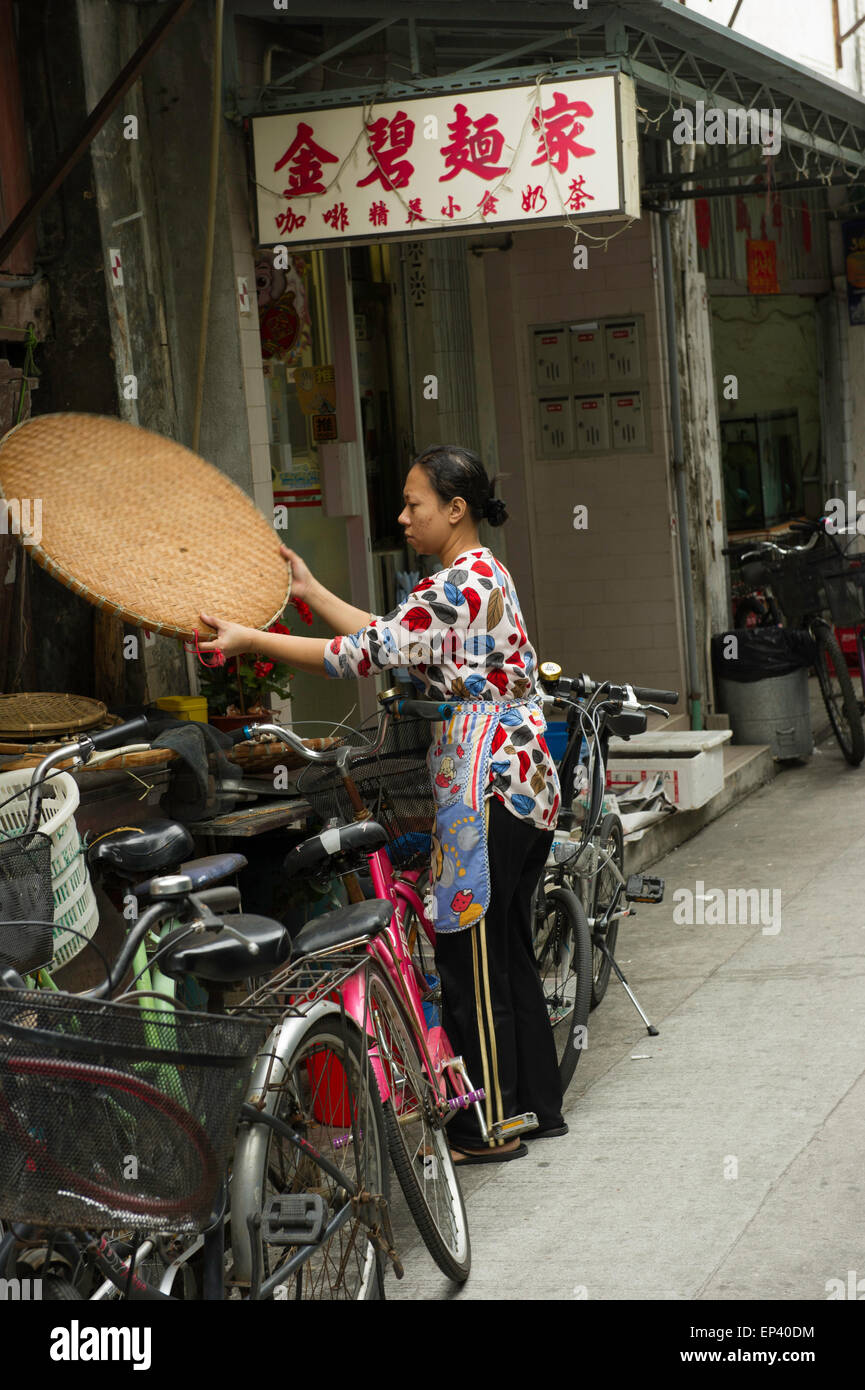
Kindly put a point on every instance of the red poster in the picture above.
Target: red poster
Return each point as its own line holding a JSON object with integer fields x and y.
{"x": 763, "y": 267}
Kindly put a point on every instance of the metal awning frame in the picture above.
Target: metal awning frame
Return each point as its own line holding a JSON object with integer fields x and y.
{"x": 655, "y": 54}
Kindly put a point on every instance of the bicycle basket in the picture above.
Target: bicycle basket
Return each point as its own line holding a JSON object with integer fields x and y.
{"x": 846, "y": 594}
{"x": 26, "y": 899}
{"x": 394, "y": 785}
{"x": 116, "y": 1115}
{"x": 799, "y": 587}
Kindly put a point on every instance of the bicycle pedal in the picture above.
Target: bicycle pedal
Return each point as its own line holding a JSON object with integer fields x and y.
{"x": 517, "y": 1124}
{"x": 640, "y": 888}
{"x": 464, "y": 1101}
{"x": 295, "y": 1219}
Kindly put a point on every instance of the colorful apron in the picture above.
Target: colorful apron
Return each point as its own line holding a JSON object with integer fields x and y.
{"x": 460, "y": 759}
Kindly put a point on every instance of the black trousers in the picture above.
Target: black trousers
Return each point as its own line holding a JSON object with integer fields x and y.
{"x": 493, "y": 1007}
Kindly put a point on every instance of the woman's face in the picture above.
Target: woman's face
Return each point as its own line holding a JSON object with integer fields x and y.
{"x": 427, "y": 520}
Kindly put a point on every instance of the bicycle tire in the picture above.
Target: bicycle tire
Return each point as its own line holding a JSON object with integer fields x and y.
{"x": 56, "y": 1289}
{"x": 847, "y": 728}
{"x": 323, "y": 1070}
{"x": 563, "y": 954}
{"x": 417, "y": 1135}
{"x": 611, "y": 840}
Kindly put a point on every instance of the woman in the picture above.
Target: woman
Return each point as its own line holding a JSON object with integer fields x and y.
{"x": 461, "y": 636}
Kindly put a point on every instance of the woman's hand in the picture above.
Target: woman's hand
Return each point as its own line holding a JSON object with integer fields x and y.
{"x": 231, "y": 639}
{"x": 302, "y": 579}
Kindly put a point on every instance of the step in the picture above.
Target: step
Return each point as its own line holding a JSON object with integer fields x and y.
{"x": 746, "y": 767}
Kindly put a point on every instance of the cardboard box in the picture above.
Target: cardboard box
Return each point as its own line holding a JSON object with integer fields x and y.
{"x": 691, "y": 763}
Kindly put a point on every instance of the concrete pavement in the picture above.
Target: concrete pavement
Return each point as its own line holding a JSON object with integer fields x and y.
{"x": 722, "y": 1159}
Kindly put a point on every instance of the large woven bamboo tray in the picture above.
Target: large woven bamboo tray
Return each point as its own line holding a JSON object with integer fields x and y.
{"x": 41, "y": 713}
{"x": 256, "y": 757}
{"x": 142, "y": 527}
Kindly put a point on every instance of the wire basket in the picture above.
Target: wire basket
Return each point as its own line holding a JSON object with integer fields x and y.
{"x": 846, "y": 593}
{"x": 394, "y": 784}
{"x": 26, "y": 899}
{"x": 799, "y": 587}
{"x": 116, "y": 1115}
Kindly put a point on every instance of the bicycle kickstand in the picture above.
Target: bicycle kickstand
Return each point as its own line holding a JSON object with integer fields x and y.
{"x": 602, "y": 946}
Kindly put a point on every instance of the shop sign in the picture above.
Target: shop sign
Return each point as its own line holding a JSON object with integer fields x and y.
{"x": 763, "y": 267}
{"x": 854, "y": 260}
{"x": 552, "y": 152}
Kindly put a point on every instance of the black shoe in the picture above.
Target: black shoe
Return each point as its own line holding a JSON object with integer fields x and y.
{"x": 552, "y": 1133}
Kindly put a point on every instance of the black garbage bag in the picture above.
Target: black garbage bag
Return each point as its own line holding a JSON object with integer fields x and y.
{"x": 760, "y": 653}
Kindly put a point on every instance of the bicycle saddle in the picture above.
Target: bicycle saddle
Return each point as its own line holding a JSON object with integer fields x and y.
{"x": 213, "y": 868}
{"x": 361, "y": 837}
{"x": 156, "y": 846}
{"x": 223, "y": 959}
{"x": 346, "y": 924}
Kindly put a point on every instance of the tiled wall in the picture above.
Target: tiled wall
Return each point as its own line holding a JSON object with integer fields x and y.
{"x": 601, "y": 600}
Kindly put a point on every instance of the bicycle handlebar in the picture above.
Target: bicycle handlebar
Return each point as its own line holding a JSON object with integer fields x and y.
{"x": 423, "y": 709}
{"x": 657, "y": 697}
{"x": 120, "y": 734}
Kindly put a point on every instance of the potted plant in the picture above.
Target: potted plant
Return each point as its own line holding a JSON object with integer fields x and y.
{"x": 242, "y": 687}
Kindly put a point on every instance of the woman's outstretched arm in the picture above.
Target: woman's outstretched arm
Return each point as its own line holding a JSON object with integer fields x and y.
{"x": 303, "y": 653}
{"x": 341, "y": 617}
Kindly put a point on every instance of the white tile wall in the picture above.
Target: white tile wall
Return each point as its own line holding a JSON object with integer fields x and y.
{"x": 605, "y": 598}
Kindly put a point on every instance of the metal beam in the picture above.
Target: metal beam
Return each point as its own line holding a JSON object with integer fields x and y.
{"x": 669, "y": 86}
{"x": 393, "y": 91}
{"x": 90, "y": 129}
{"x": 332, "y": 52}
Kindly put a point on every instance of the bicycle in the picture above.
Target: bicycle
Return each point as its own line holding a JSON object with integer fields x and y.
{"x": 585, "y": 877}
{"x": 93, "y": 1083}
{"x": 420, "y": 1081}
{"x": 797, "y": 588}
{"x": 25, "y": 877}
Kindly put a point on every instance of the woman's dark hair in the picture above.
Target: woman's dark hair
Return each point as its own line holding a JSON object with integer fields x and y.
{"x": 457, "y": 472}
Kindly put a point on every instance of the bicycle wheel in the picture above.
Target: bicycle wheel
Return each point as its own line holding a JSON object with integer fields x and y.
{"x": 417, "y": 1137}
{"x": 611, "y": 844}
{"x": 839, "y": 697}
{"x": 324, "y": 1086}
{"x": 563, "y": 954}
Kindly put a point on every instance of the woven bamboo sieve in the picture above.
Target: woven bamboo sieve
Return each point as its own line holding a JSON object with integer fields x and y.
{"x": 142, "y": 527}
{"x": 46, "y": 712}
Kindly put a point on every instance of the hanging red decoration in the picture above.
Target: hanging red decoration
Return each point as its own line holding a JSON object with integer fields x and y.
{"x": 806, "y": 226}
{"x": 743, "y": 217}
{"x": 703, "y": 217}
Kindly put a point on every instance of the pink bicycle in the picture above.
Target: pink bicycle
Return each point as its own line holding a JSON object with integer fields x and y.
{"x": 382, "y": 788}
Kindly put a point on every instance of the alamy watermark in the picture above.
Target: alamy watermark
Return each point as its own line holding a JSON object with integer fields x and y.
{"x": 22, "y": 516}
{"x": 742, "y": 907}
{"x": 735, "y": 125}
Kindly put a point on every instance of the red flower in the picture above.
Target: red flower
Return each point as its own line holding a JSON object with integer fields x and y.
{"x": 263, "y": 668}
{"x": 279, "y": 627}
{"x": 303, "y": 609}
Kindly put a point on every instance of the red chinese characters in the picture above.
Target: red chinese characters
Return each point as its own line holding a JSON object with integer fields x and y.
{"x": 488, "y": 205}
{"x": 389, "y": 165}
{"x": 475, "y": 146}
{"x": 378, "y": 214}
{"x": 534, "y": 199}
{"x": 451, "y": 208}
{"x": 558, "y": 127}
{"x": 289, "y": 221}
{"x": 306, "y": 158}
{"x": 577, "y": 195}
{"x": 415, "y": 213}
{"x": 337, "y": 217}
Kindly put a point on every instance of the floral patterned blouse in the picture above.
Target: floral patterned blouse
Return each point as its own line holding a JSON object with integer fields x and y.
{"x": 462, "y": 637}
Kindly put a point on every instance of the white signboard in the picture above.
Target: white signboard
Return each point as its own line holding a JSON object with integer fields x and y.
{"x": 514, "y": 156}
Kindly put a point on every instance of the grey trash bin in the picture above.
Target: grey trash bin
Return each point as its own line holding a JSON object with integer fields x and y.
{"x": 764, "y": 688}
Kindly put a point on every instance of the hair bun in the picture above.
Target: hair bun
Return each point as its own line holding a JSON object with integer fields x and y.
{"x": 495, "y": 511}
